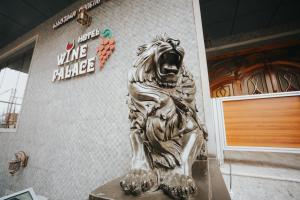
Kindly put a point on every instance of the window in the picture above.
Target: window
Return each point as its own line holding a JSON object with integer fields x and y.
{"x": 13, "y": 79}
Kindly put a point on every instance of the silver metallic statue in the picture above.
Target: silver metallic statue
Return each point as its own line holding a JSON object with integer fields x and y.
{"x": 165, "y": 133}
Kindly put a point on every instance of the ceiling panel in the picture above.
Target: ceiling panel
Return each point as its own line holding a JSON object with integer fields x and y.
{"x": 20, "y": 16}
{"x": 21, "y": 13}
{"x": 8, "y": 27}
{"x": 247, "y": 7}
{"x": 217, "y": 30}
{"x": 216, "y": 11}
{"x": 253, "y": 21}
{"x": 289, "y": 11}
{"x": 241, "y": 16}
{"x": 48, "y": 8}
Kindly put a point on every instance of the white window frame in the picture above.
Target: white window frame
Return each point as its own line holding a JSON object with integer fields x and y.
{"x": 32, "y": 40}
{"x": 219, "y": 124}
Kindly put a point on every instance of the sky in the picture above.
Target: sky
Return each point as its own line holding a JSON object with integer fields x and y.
{"x": 10, "y": 79}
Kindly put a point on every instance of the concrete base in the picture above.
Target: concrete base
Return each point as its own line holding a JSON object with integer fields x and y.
{"x": 205, "y": 173}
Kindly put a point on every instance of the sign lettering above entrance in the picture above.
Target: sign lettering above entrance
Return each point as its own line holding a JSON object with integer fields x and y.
{"x": 88, "y": 6}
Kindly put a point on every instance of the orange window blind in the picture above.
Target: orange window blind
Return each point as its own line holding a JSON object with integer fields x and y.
{"x": 270, "y": 122}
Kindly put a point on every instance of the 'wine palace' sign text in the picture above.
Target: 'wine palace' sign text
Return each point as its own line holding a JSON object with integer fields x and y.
{"x": 73, "y": 62}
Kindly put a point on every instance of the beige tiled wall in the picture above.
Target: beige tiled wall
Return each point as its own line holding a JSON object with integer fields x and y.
{"x": 76, "y": 131}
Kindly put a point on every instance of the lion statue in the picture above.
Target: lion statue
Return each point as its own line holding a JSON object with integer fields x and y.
{"x": 165, "y": 133}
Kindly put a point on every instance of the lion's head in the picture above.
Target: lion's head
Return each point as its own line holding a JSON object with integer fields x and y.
{"x": 160, "y": 61}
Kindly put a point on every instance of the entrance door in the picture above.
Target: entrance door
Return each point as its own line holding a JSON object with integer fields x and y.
{"x": 256, "y": 98}
{"x": 263, "y": 72}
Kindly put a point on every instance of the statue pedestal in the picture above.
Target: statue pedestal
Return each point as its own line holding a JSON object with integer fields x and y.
{"x": 205, "y": 173}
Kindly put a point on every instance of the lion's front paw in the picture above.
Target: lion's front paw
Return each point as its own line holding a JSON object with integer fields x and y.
{"x": 178, "y": 186}
{"x": 138, "y": 181}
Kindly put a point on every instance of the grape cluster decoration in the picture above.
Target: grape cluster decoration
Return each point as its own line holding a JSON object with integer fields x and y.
{"x": 106, "y": 47}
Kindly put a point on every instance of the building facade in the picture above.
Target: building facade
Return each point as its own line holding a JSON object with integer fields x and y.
{"x": 76, "y": 131}
{"x": 74, "y": 124}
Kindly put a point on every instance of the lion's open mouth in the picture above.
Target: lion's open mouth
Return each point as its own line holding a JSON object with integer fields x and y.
{"x": 169, "y": 62}
{"x": 168, "y": 67}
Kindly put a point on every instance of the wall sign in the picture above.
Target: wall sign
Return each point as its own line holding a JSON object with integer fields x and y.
{"x": 74, "y": 61}
{"x": 88, "y": 6}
